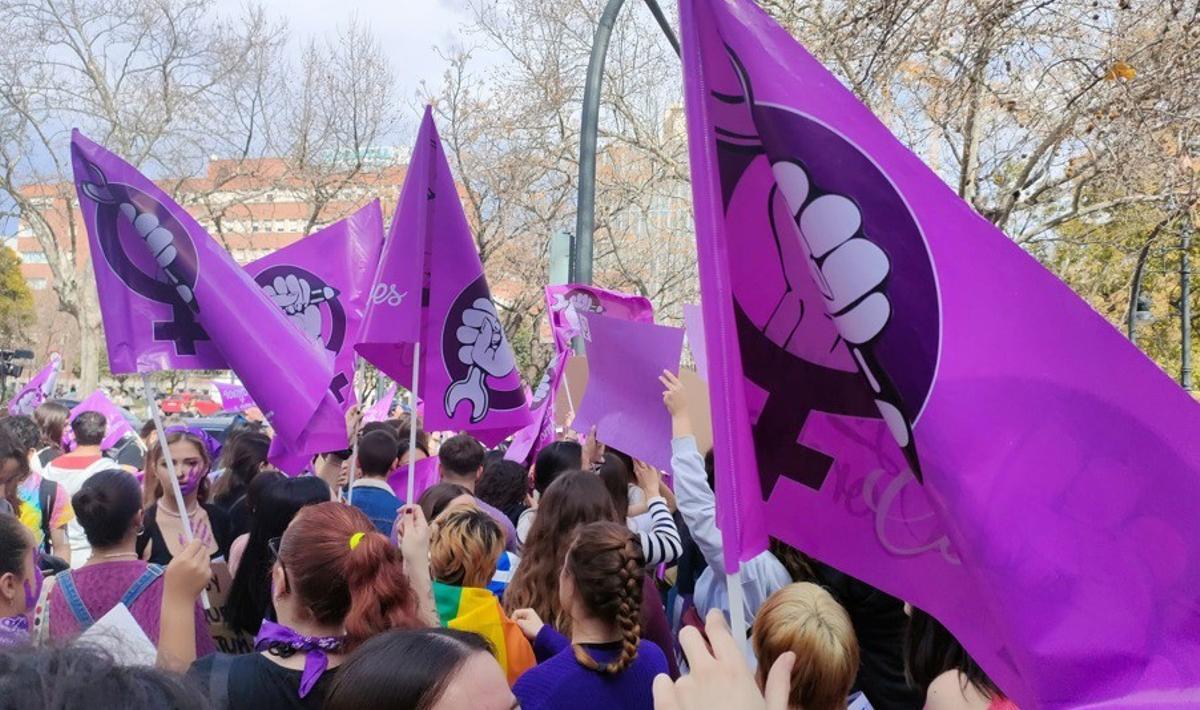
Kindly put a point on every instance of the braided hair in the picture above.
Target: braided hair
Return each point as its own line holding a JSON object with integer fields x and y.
{"x": 606, "y": 563}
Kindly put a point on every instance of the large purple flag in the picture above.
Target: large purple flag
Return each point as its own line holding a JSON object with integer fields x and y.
{"x": 565, "y": 303}
{"x": 468, "y": 373}
{"x": 540, "y": 432}
{"x": 38, "y": 389}
{"x": 901, "y": 391}
{"x": 172, "y": 298}
{"x": 117, "y": 425}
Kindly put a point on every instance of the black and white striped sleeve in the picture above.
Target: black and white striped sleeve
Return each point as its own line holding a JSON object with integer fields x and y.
{"x": 662, "y": 544}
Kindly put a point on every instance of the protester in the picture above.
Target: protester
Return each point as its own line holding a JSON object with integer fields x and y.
{"x": 463, "y": 551}
{"x": 252, "y": 499}
{"x": 245, "y": 457}
{"x": 335, "y": 583}
{"x": 460, "y": 460}
{"x": 944, "y": 672}
{"x": 163, "y": 533}
{"x": 19, "y": 581}
{"x": 281, "y": 498}
{"x": 86, "y": 676}
{"x": 551, "y": 462}
{"x": 441, "y": 497}
{"x": 421, "y": 669}
{"x": 806, "y": 620}
{"x": 605, "y": 663}
{"x": 370, "y": 491}
{"x": 51, "y": 418}
{"x": 109, "y": 509}
{"x": 74, "y": 468}
{"x": 505, "y": 486}
{"x": 44, "y": 505}
{"x": 332, "y": 467}
{"x": 761, "y": 575}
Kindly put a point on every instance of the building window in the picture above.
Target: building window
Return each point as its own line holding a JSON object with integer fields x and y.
{"x": 37, "y": 283}
{"x": 33, "y": 257}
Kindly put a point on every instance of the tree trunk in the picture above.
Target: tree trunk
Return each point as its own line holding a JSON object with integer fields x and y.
{"x": 90, "y": 326}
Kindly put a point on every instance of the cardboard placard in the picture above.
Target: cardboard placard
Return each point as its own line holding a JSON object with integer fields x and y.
{"x": 226, "y": 639}
{"x": 571, "y": 391}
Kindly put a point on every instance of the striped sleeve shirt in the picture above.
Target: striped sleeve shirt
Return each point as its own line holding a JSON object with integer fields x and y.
{"x": 662, "y": 544}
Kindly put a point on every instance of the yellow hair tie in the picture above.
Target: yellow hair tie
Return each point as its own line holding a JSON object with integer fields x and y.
{"x": 355, "y": 539}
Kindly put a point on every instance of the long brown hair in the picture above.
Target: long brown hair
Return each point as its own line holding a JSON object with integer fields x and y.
{"x": 574, "y": 499}
{"x": 51, "y": 418}
{"x": 362, "y": 586}
{"x": 464, "y": 548}
{"x": 605, "y": 563}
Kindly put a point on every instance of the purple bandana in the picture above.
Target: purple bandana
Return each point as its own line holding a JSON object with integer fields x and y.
{"x": 210, "y": 444}
{"x": 283, "y": 641}
{"x": 14, "y": 631}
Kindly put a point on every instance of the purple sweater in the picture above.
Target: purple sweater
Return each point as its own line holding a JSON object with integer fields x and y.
{"x": 559, "y": 681}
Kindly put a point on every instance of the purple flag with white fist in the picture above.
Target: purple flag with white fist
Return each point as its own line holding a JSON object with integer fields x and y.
{"x": 901, "y": 391}
{"x": 234, "y": 398}
{"x": 172, "y": 298}
{"x": 117, "y": 425}
{"x": 565, "y": 303}
{"x": 468, "y": 374}
{"x": 540, "y": 432}
{"x": 39, "y": 388}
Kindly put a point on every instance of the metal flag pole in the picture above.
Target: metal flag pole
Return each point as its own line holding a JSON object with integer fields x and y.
{"x": 188, "y": 534}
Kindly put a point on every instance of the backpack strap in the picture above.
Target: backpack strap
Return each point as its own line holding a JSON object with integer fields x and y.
{"x": 74, "y": 601}
{"x": 140, "y": 584}
{"x": 47, "y": 497}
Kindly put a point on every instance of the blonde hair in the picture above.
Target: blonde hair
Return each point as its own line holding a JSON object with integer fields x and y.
{"x": 464, "y": 547}
{"x": 806, "y": 619}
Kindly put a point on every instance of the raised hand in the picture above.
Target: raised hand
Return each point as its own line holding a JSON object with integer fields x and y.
{"x": 529, "y": 622}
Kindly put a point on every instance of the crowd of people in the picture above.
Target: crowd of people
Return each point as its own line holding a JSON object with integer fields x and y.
{"x": 586, "y": 579}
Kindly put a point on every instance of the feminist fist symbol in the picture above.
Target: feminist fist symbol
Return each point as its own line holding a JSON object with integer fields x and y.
{"x": 486, "y": 353}
{"x": 298, "y": 300}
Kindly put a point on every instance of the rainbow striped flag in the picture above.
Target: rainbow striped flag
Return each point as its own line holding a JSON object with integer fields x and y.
{"x": 479, "y": 611}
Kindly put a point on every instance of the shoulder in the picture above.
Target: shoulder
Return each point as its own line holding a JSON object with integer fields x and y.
{"x": 951, "y": 691}
{"x": 651, "y": 657}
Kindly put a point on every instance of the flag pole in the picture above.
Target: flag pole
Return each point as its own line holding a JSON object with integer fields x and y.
{"x": 737, "y": 611}
{"x": 188, "y": 534}
{"x": 353, "y": 470}
{"x": 412, "y": 424}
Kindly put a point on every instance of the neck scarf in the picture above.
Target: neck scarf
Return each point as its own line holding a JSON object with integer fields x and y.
{"x": 283, "y": 641}
{"x": 14, "y": 631}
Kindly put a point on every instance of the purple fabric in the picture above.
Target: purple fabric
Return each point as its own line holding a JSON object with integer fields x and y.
{"x": 693, "y": 320}
{"x": 273, "y": 636}
{"x": 118, "y": 425}
{"x": 624, "y": 396}
{"x": 565, "y": 303}
{"x": 38, "y": 389}
{"x": 957, "y": 427}
{"x": 380, "y": 410}
{"x": 14, "y": 631}
{"x": 172, "y": 298}
{"x": 425, "y": 471}
{"x": 211, "y": 445}
{"x": 234, "y": 398}
{"x": 468, "y": 373}
{"x": 560, "y": 681}
{"x": 529, "y": 441}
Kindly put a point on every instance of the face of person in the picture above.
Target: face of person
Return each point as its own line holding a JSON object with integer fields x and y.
{"x": 478, "y": 684}
{"x": 417, "y": 455}
{"x": 188, "y": 462}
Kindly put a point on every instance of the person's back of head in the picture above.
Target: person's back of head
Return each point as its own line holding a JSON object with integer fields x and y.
{"x": 931, "y": 650}
{"x": 24, "y": 430}
{"x": 14, "y": 467}
{"x": 504, "y": 485}
{"x": 460, "y": 459}
{"x": 574, "y": 499}
{"x": 464, "y": 547}
{"x": 377, "y": 452}
{"x": 343, "y": 573}
{"x": 89, "y": 428}
{"x": 615, "y": 474}
{"x": 243, "y": 455}
{"x": 417, "y": 669}
{"x": 436, "y": 498}
{"x": 554, "y": 460}
{"x": 51, "y": 418}
{"x": 604, "y": 567}
{"x": 274, "y": 499}
{"x": 81, "y": 675}
{"x": 807, "y": 620}
{"x": 108, "y": 506}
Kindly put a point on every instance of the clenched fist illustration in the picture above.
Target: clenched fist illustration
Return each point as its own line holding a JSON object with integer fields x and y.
{"x": 483, "y": 349}
{"x": 297, "y": 299}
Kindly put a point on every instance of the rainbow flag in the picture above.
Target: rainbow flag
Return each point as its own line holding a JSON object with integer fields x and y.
{"x": 478, "y": 610}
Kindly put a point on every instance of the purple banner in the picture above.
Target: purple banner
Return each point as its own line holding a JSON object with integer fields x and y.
{"x": 624, "y": 396}
{"x": 565, "y": 303}
{"x": 540, "y": 432}
{"x": 234, "y": 398}
{"x": 425, "y": 472}
{"x": 39, "y": 388}
{"x": 117, "y": 425}
{"x": 957, "y": 427}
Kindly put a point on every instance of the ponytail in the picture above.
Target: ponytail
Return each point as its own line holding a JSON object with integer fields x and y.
{"x": 606, "y": 564}
{"x": 347, "y": 573}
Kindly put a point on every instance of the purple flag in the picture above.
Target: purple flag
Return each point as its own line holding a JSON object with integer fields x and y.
{"x": 566, "y": 302}
{"x": 118, "y": 425}
{"x": 954, "y": 424}
{"x": 382, "y": 408}
{"x": 39, "y": 388}
{"x": 540, "y": 432}
{"x": 693, "y": 319}
{"x": 468, "y": 373}
{"x": 171, "y": 297}
{"x": 234, "y": 398}
{"x": 425, "y": 472}
{"x": 624, "y": 396}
